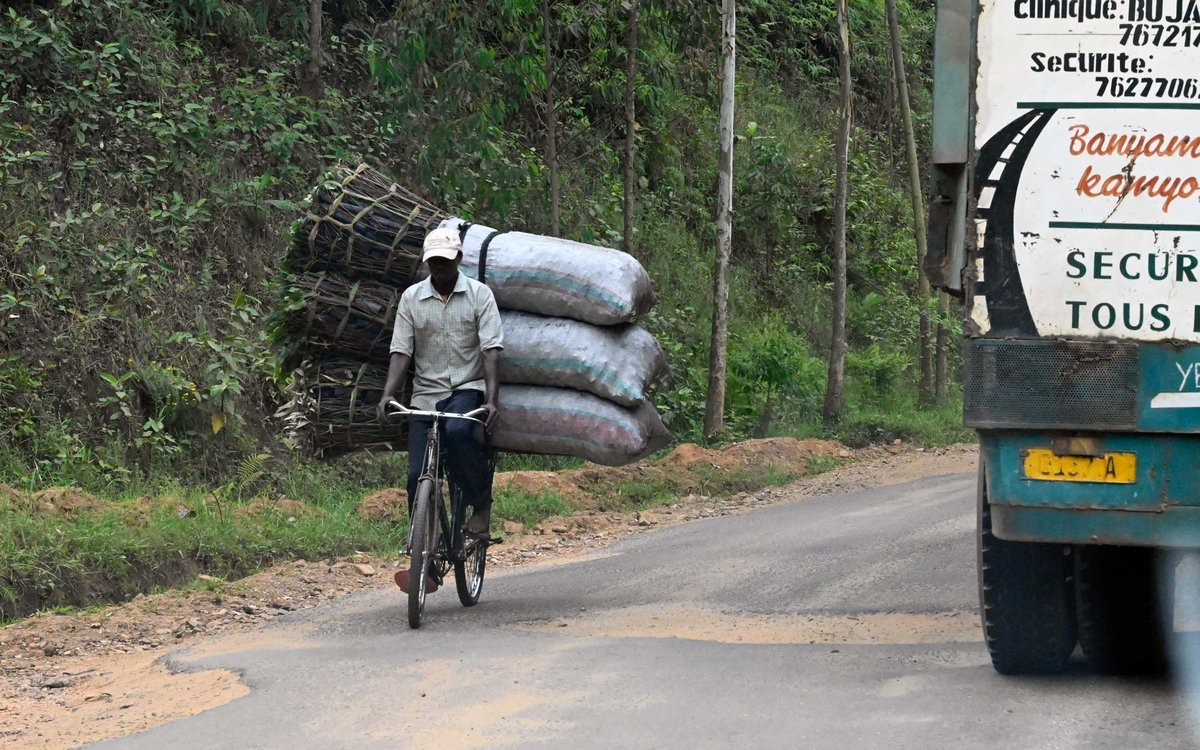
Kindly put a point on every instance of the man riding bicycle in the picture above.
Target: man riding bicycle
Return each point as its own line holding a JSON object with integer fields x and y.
{"x": 448, "y": 327}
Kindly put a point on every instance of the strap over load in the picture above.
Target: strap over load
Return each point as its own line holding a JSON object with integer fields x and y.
{"x": 555, "y": 277}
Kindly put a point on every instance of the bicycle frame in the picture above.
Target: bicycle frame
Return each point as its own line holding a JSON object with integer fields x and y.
{"x": 449, "y": 548}
{"x": 435, "y": 544}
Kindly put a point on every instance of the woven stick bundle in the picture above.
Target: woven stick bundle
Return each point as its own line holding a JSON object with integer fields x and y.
{"x": 332, "y": 409}
{"x": 333, "y": 314}
{"x": 363, "y": 224}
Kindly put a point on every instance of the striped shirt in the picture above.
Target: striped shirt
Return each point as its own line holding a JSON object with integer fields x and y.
{"x": 446, "y": 338}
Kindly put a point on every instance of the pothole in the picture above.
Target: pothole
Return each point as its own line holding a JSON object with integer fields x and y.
{"x": 694, "y": 623}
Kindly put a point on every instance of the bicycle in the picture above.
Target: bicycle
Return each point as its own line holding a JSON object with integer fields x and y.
{"x": 435, "y": 539}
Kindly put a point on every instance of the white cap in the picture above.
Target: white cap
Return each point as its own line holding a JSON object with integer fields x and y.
{"x": 442, "y": 242}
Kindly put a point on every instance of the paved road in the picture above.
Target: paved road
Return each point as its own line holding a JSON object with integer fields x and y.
{"x": 837, "y": 622}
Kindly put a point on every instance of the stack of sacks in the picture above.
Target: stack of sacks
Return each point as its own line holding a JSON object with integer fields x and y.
{"x": 575, "y": 368}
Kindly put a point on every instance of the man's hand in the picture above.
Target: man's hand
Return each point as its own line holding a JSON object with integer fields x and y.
{"x": 489, "y": 421}
{"x": 381, "y": 411}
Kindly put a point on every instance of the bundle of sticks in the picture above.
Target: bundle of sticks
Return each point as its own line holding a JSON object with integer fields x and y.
{"x": 575, "y": 368}
{"x": 362, "y": 223}
{"x": 331, "y": 409}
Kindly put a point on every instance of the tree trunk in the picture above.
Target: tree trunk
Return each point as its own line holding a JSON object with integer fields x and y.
{"x": 312, "y": 71}
{"x": 551, "y": 125}
{"x": 835, "y": 380}
{"x": 925, "y": 387}
{"x": 630, "y": 121}
{"x": 714, "y": 414}
{"x": 942, "y": 345}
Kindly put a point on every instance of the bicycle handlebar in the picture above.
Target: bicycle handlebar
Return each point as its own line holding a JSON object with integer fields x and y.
{"x": 401, "y": 409}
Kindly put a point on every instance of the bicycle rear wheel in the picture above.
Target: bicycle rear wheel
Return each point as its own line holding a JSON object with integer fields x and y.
{"x": 424, "y": 544}
{"x": 468, "y": 572}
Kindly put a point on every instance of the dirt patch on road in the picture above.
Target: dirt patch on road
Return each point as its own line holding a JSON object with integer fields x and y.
{"x": 53, "y": 666}
{"x": 101, "y": 698}
{"x": 691, "y": 469}
{"x": 122, "y": 642}
{"x": 694, "y": 623}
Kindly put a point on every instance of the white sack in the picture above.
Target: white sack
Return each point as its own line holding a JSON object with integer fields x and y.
{"x": 558, "y": 278}
{"x": 563, "y": 422}
{"x": 615, "y": 362}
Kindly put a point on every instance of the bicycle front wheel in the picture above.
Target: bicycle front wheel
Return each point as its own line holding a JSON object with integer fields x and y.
{"x": 468, "y": 572}
{"x": 424, "y": 544}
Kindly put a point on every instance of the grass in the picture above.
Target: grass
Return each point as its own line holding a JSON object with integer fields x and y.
{"x": 137, "y": 540}
{"x": 929, "y": 426}
{"x": 528, "y": 508}
{"x": 130, "y": 545}
{"x": 529, "y": 462}
{"x": 708, "y": 480}
{"x": 821, "y": 464}
{"x": 643, "y": 493}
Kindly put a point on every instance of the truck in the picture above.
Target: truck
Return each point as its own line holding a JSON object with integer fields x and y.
{"x": 1065, "y": 214}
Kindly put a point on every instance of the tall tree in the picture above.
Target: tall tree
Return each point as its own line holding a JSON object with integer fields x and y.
{"x": 551, "y": 124}
{"x": 312, "y": 70}
{"x": 835, "y": 380}
{"x": 714, "y": 413}
{"x": 631, "y": 29}
{"x": 925, "y": 387}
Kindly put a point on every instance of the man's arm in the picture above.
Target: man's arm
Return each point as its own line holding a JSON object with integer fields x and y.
{"x": 491, "y": 384}
{"x": 491, "y": 341}
{"x": 402, "y": 347}
{"x": 397, "y": 369}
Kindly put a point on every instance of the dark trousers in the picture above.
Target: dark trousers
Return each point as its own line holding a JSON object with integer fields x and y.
{"x": 464, "y": 454}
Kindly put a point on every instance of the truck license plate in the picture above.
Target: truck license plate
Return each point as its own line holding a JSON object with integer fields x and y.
{"x": 1111, "y": 468}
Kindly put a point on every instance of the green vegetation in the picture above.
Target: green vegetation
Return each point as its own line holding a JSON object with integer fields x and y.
{"x": 154, "y": 153}
{"x": 131, "y": 545}
{"x": 78, "y": 549}
{"x": 527, "y": 508}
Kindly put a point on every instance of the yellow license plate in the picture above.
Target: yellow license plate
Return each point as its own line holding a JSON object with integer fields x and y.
{"x": 1111, "y": 468}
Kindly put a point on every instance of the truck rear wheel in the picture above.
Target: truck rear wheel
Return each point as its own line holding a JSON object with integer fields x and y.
{"x": 1120, "y": 599}
{"x": 1026, "y": 599}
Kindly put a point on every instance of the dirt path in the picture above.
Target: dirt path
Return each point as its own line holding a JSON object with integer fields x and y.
{"x": 67, "y": 679}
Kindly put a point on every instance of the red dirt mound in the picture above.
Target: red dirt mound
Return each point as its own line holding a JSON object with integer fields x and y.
{"x": 389, "y": 505}
{"x": 66, "y": 502}
{"x": 283, "y": 506}
{"x": 539, "y": 482}
{"x": 142, "y": 511}
{"x": 783, "y": 451}
{"x": 689, "y": 454}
